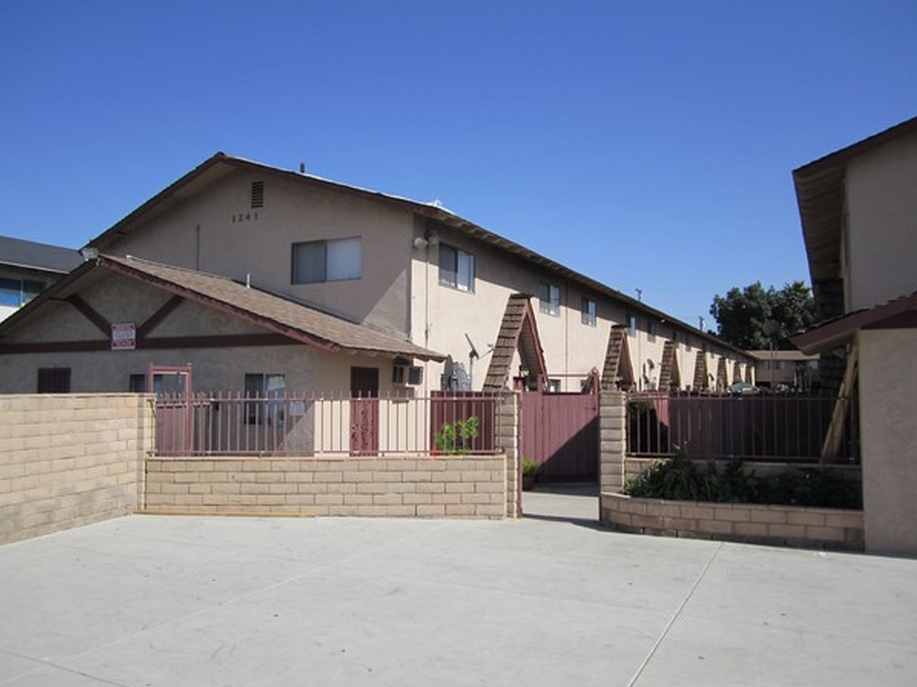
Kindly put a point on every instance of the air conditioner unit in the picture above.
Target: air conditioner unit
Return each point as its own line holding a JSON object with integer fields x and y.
{"x": 407, "y": 374}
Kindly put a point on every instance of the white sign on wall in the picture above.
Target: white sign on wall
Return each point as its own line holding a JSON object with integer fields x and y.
{"x": 123, "y": 337}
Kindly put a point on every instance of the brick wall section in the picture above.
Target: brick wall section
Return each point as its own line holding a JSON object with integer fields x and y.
{"x": 612, "y": 440}
{"x": 757, "y": 524}
{"x": 438, "y": 486}
{"x": 69, "y": 460}
{"x": 508, "y": 439}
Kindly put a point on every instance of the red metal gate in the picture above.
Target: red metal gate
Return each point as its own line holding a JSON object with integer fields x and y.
{"x": 561, "y": 433}
{"x": 174, "y": 410}
{"x": 364, "y": 411}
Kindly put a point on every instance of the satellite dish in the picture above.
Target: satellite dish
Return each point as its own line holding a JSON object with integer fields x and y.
{"x": 771, "y": 327}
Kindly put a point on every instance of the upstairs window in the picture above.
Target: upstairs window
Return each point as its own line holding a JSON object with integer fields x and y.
{"x": 456, "y": 268}
{"x": 17, "y": 292}
{"x": 331, "y": 260}
{"x": 632, "y": 325}
{"x": 587, "y": 311}
{"x": 650, "y": 331}
{"x": 549, "y": 299}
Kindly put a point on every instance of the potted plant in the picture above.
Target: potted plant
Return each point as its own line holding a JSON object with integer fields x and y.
{"x": 529, "y": 472}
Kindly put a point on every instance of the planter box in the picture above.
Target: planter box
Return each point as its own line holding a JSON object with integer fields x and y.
{"x": 828, "y": 528}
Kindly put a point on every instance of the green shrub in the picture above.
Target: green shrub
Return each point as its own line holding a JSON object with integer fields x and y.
{"x": 680, "y": 479}
{"x": 456, "y": 437}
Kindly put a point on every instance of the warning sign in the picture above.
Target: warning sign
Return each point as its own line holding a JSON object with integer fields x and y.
{"x": 123, "y": 337}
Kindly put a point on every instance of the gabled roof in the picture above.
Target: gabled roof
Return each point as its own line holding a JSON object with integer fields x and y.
{"x": 220, "y": 165}
{"x": 669, "y": 373}
{"x": 820, "y": 196}
{"x": 518, "y": 331}
{"x": 618, "y": 371}
{"x": 701, "y": 381}
{"x": 898, "y": 313}
{"x": 37, "y": 256}
{"x": 293, "y": 320}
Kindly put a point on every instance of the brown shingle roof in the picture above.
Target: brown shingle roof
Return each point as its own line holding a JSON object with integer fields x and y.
{"x": 280, "y": 315}
{"x": 899, "y": 313}
{"x": 618, "y": 372}
{"x": 518, "y": 331}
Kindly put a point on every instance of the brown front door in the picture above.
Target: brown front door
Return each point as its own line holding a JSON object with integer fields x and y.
{"x": 364, "y": 411}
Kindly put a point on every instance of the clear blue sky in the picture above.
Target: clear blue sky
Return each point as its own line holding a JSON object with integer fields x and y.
{"x": 645, "y": 144}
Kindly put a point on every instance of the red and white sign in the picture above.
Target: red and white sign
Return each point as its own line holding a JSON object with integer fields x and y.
{"x": 123, "y": 337}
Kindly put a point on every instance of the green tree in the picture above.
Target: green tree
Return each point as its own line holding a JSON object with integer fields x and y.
{"x": 748, "y": 317}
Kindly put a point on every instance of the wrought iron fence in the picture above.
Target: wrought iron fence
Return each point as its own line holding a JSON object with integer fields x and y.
{"x": 760, "y": 427}
{"x": 313, "y": 425}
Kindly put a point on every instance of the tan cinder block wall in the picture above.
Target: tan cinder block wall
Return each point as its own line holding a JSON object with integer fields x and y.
{"x": 438, "y": 486}
{"x": 509, "y": 440}
{"x": 612, "y": 440}
{"x": 830, "y": 528}
{"x": 69, "y": 460}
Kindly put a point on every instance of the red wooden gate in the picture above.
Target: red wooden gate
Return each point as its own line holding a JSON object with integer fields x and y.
{"x": 561, "y": 433}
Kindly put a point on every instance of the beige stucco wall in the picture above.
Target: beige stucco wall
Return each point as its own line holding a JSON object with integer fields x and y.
{"x": 888, "y": 442}
{"x": 217, "y": 232}
{"x": 442, "y": 316}
{"x": 882, "y": 224}
{"x": 222, "y": 368}
{"x": 399, "y": 293}
{"x": 306, "y": 370}
{"x": 120, "y": 299}
{"x": 69, "y": 460}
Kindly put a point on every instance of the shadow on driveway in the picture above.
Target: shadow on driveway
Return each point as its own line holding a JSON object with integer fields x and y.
{"x": 574, "y": 502}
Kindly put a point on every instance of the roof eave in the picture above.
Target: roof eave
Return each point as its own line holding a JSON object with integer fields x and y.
{"x": 297, "y": 335}
{"x": 843, "y": 329}
{"x": 820, "y": 197}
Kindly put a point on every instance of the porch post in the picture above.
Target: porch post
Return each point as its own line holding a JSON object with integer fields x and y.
{"x": 612, "y": 440}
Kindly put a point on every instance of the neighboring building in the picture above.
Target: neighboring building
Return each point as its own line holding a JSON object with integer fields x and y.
{"x": 28, "y": 268}
{"x": 859, "y": 219}
{"x": 788, "y": 368}
{"x": 441, "y": 290}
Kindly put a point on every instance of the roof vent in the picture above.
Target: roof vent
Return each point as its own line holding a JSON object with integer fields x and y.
{"x": 257, "y": 194}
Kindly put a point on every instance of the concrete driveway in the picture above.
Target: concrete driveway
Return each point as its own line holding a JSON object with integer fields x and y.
{"x": 547, "y": 600}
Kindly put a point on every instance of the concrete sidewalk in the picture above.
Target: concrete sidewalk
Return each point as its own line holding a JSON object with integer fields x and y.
{"x": 547, "y": 600}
